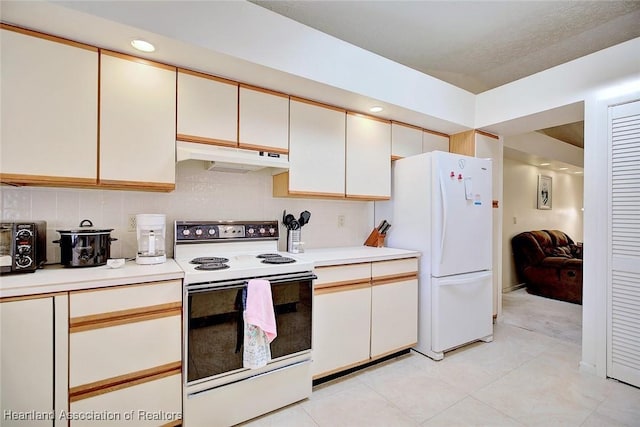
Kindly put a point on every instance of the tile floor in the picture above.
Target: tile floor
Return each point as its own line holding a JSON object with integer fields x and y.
{"x": 522, "y": 378}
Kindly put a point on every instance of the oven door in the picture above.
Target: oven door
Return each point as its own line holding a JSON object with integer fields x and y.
{"x": 214, "y": 324}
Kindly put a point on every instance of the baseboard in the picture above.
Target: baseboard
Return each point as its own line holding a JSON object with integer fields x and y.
{"x": 514, "y": 288}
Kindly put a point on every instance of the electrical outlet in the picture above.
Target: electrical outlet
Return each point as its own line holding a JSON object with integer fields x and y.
{"x": 340, "y": 220}
{"x": 131, "y": 223}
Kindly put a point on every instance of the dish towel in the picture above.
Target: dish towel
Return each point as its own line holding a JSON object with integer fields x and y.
{"x": 259, "y": 324}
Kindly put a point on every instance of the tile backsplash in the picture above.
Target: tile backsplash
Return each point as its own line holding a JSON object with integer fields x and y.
{"x": 200, "y": 195}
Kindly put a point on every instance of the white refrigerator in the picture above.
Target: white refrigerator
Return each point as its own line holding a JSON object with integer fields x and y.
{"x": 441, "y": 206}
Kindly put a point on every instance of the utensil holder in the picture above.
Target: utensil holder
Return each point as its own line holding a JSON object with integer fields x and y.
{"x": 294, "y": 243}
{"x": 375, "y": 239}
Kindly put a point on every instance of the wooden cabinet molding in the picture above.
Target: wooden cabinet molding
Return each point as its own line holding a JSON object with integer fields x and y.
{"x": 122, "y": 317}
{"x": 47, "y": 37}
{"x": 137, "y": 59}
{"x": 464, "y": 142}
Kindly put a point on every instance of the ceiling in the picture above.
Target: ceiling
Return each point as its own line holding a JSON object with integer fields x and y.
{"x": 475, "y": 45}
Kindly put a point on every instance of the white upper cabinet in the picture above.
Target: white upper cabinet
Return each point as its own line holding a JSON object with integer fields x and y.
{"x": 316, "y": 150}
{"x": 207, "y": 109}
{"x": 137, "y": 123}
{"x": 368, "y": 160}
{"x": 434, "y": 142}
{"x": 263, "y": 120}
{"x": 405, "y": 140}
{"x": 49, "y": 91}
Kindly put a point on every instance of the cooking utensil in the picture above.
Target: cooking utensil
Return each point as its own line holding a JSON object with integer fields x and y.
{"x": 386, "y": 227}
{"x": 294, "y": 224}
{"x": 84, "y": 246}
{"x": 304, "y": 218}
{"x": 288, "y": 219}
{"x": 382, "y": 225}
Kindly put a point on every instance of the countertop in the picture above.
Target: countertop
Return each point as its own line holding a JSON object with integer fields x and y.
{"x": 55, "y": 278}
{"x": 353, "y": 254}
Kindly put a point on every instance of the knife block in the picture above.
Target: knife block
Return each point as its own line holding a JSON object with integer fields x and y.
{"x": 375, "y": 239}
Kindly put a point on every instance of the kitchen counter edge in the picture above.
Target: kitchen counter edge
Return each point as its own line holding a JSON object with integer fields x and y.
{"x": 56, "y": 279}
{"x": 324, "y": 257}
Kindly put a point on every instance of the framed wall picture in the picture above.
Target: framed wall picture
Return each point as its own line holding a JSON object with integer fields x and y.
{"x": 544, "y": 191}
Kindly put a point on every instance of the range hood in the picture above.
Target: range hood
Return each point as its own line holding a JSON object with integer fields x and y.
{"x": 228, "y": 159}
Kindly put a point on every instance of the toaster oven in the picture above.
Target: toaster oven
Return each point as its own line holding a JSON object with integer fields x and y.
{"x": 23, "y": 246}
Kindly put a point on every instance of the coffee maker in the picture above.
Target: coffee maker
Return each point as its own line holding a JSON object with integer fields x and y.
{"x": 151, "y": 229}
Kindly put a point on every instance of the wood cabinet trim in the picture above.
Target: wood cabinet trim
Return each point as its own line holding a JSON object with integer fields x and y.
{"x": 433, "y": 132}
{"x": 335, "y": 287}
{"x": 205, "y": 140}
{"x": 263, "y": 90}
{"x": 109, "y": 385}
{"x": 366, "y": 116}
{"x": 407, "y": 125}
{"x": 263, "y": 148}
{"x": 396, "y": 157}
{"x": 46, "y": 181}
{"x": 137, "y": 59}
{"x": 207, "y": 76}
{"x": 281, "y": 189}
{"x": 343, "y": 265}
{"x": 47, "y": 37}
{"x": 29, "y": 297}
{"x": 394, "y": 278}
{"x": 177, "y": 282}
{"x": 123, "y": 317}
{"x": 343, "y": 368}
{"x": 365, "y": 197}
{"x": 490, "y": 135}
{"x": 389, "y": 353}
{"x": 136, "y": 185}
{"x": 317, "y": 104}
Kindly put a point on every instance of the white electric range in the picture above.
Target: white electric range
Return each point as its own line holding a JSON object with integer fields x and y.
{"x": 219, "y": 258}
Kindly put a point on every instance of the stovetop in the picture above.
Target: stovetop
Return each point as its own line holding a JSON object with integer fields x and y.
{"x": 248, "y": 250}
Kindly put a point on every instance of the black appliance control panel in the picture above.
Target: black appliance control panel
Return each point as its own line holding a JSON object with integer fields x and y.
{"x": 224, "y": 231}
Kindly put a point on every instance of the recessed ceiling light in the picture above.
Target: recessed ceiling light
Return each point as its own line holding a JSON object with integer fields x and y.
{"x": 562, "y": 169}
{"x": 376, "y": 109}
{"x": 545, "y": 164}
{"x": 578, "y": 172}
{"x": 142, "y": 45}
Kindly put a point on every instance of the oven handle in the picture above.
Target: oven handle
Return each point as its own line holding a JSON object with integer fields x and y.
{"x": 238, "y": 284}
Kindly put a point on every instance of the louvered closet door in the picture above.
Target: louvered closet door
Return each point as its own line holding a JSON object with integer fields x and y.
{"x": 623, "y": 349}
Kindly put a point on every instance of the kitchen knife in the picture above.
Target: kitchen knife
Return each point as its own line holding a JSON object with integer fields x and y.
{"x": 382, "y": 224}
{"x": 385, "y": 228}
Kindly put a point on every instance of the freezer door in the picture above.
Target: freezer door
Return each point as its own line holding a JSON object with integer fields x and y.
{"x": 461, "y": 310}
{"x": 461, "y": 212}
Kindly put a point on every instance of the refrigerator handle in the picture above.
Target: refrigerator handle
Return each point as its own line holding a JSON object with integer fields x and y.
{"x": 444, "y": 217}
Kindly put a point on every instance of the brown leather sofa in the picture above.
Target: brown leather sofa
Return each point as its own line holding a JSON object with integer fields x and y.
{"x": 550, "y": 264}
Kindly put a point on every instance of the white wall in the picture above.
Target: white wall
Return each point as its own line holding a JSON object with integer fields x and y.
{"x": 199, "y": 195}
{"x": 519, "y": 203}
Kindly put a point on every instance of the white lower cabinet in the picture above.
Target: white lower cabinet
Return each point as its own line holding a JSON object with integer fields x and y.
{"x": 32, "y": 370}
{"x": 363, "y": 312}
{"x": 394, "y": 316}
{"x": 26, "y": 373}
{"x": 125, "y": 354}
{"x": 151, "y": 403}
{"x": 341, "y": 328}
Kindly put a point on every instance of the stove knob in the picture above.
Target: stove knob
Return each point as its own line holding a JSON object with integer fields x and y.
{"x": 186, "y": 232}
{"x": 212, "y": 231}
{"x": 261, "y": 230}
{"x": 199, "y": 231}
{"x": 272, "y": 230}
{"x": 251, "y": 230}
